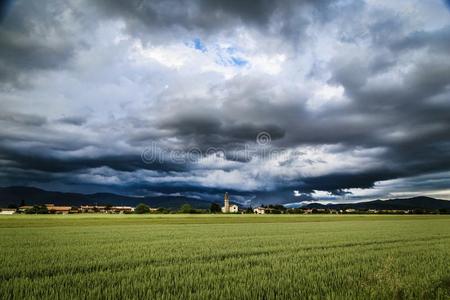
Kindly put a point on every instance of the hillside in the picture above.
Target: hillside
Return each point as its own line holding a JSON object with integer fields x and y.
{"x": 394, "y": 204}
{"x": 31, "y": 195}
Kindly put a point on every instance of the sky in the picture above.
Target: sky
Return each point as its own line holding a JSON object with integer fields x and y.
{"x": 271, "y": 101}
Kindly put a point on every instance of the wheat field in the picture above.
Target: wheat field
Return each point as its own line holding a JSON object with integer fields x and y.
{"x": 224, "y": 257}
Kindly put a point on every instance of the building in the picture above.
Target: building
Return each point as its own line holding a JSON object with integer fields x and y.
{"x": 234, "y": 208}
{"x": 7, "y": 211}
{"x": 106, "y": 209}
{"x": 259, "y": 210}
{"x": 227, "y": 208}
{"x": 122, "y": 209}
{"x": 226, "y": 204}
{"x": 52, "y": 209}
{"x": 93, "y": 209}
{"x": 24, "y": 208}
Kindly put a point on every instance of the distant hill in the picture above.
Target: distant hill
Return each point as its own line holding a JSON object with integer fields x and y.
{"x": 394, "y": 204}
{"x": 31, "y": 196}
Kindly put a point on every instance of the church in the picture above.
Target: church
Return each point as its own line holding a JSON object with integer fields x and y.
{"x": 227, "y": 208}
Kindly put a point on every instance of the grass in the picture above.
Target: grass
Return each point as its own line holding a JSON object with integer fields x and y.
{"x": 226, "y": 257}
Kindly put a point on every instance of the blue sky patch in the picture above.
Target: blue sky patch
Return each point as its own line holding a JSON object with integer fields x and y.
{"x": 239, "y": 61}
{"x": 199, "y": 45}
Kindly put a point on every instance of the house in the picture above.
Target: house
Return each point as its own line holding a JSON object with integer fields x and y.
{"x": 122, "y": 209}
{"x": 52, "y": 209}
{"x": 259, "y": 210}
{"x": 64, "y": 210}
{"x": 24, "y": 208}
{"x": 227, "y": 208}
{"x": 7, "y": 211}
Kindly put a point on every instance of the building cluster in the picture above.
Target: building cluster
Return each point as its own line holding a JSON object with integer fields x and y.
{"x": 57, "y": 209}
{"x": 354, "y": 211}
{"x": 106, "y": 209}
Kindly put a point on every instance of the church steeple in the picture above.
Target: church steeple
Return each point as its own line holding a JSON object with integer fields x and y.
{"x": 226, "y": 201}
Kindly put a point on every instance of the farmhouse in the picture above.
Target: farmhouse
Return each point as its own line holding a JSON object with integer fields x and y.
{"x": 259, "y": 210}
{"x": 227, "y": 208}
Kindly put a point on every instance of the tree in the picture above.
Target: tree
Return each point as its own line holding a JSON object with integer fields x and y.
{"x": 37, "y": 209}
{"x": 186, "y": 208}
{"x": 162, "y": 210}
{"x": 215, "y": 208}
{"x": 443, "y": 211}
{"x": 142, "y": 209}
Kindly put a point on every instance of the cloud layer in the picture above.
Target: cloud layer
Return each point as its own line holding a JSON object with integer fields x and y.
{"x": 354, "y": 95}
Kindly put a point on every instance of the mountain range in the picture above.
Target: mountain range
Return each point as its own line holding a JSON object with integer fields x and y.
{"x": 30, "y": 195}
{"x": 421, "y": 202}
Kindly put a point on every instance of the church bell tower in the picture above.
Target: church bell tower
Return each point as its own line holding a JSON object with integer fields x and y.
{"x": 226, "y": 202}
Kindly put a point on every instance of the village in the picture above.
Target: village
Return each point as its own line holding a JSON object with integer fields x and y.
{"x": 227, "y": 208}
{"x": 57, "y": 209}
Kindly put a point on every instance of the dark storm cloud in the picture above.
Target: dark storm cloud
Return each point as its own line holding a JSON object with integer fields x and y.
{"x": 439, "y": 40}
{"x": 33, "y": 37}
{"x": 213, "y": 131}
{"x": 4, "y": 9}
{"x": 410, "y": 114}
{"x": 208, "y": 16}
{"x": 35, "y": 159}
{"x": 22, "y": 119}
{"x": 279, "y": 196}
{"x": 394, "y": 111}
{"x": 73, "y": 120}
{"x": 334, "y": 183}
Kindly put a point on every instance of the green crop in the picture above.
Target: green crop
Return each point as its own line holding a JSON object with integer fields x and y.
{"x": 224, "y": 257}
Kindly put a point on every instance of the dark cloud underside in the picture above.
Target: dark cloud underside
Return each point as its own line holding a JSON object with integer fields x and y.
{"x": 354, "y": 96}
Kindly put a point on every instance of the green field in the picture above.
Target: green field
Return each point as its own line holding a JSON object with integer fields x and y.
{"x": 227, "y": 257}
